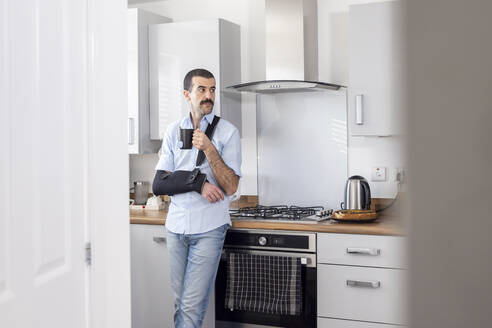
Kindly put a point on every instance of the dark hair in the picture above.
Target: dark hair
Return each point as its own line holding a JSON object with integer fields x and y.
{"x": 195, "y": 72}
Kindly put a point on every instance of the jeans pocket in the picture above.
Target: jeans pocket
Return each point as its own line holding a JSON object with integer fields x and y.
{"x": 222, "y": 230}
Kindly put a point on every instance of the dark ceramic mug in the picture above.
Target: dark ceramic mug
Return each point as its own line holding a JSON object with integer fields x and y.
{"x": 186, "y": 137}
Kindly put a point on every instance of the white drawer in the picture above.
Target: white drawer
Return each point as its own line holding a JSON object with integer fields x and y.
{"x": 337, "y": 299}
{"x": 375, "y": 251}
{"x": 336, "y": 323}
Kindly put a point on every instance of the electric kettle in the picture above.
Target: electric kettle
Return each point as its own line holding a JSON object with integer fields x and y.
{"x": 357, "y": 194}
{"x": 141, "y": 191}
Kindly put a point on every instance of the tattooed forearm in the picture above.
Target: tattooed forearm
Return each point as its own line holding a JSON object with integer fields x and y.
{"x": 225, "y": 176}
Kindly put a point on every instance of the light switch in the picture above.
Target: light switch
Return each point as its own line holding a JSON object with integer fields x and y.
{"x": 378, "y": 173}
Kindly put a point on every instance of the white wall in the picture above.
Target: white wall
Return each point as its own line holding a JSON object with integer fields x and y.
{"x": 333, "y": 67}
{"x": 142, "y": 168}
{"x": 367, "y": 152}
{"x": 333, "y": 50}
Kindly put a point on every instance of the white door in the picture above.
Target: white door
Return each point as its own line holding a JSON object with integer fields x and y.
{"x": 43, "y": 215}
{"x": 51, "y": 84}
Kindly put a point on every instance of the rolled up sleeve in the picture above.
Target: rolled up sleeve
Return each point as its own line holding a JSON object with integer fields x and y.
{"x": 166, "y": 161}
{"x": 231, "y": 153}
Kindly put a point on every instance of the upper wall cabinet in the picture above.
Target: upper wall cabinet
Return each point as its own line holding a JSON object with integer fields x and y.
{"x": 138, "y": 81}
{"x": 376, "y": 70}
{"x": 177, "y": 48}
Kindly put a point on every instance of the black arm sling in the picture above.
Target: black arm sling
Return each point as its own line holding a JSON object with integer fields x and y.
{"x": 178, "y": 182}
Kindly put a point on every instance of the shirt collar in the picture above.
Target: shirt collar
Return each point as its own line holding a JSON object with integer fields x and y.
{"x": 208, "y": 117}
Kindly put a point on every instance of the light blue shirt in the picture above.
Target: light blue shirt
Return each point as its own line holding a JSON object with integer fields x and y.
{"x": 190, "y": 212}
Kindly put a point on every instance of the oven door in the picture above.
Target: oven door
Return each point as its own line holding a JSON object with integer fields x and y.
{"x": 238, "y": 318}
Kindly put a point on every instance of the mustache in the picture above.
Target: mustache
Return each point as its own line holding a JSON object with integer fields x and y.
{"x": 206, "y": 101}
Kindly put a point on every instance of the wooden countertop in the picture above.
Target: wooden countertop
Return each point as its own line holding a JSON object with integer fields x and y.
{"x": 385, "y": 225}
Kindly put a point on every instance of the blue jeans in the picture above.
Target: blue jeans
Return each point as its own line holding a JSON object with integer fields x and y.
{"x": 193, "y": 262}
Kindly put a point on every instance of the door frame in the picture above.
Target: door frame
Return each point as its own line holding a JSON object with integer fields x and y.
{"x": 108, "y": 224}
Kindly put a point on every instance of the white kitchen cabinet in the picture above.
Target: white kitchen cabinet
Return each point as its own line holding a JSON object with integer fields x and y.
{"x": 362, "y": 250}
{"x": 152, "y": 297}
{"x": 376, "y": 69}
{"x": 177, "y": 48}
{"x": 152, "y": 300}
{"x": 139, "y": 141}
{"x": 361, "y": 293}
{"x": 360, "y": 278}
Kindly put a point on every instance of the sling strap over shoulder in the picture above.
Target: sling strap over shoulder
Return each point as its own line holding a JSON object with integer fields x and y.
{"x": 178, "y": 182}
{"x": 209, "y": 132}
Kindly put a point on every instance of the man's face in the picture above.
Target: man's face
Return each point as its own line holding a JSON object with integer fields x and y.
{"x": 202, "y": 95}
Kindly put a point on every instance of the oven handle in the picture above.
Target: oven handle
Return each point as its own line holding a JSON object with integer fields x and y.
{"x": 309, "y": 260}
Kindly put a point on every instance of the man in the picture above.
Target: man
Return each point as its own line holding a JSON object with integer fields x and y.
{"x": 197, "y": 221}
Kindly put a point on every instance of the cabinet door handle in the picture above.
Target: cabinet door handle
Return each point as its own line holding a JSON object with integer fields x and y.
{"x": 131, "y": 131}
{"x": 159, "y": 240}
{"x": 359, "y": 117}
{"x": 365, "y": 251}
{"x": 359, "y": 283}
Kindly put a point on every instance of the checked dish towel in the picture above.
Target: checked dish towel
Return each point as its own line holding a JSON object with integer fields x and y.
{"x": 261, "y": 283}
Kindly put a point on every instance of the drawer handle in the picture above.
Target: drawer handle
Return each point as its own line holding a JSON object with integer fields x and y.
{"x": 159, "y": 240}
{"x": 365, "y": 251}
{"x": 358, "y": 283}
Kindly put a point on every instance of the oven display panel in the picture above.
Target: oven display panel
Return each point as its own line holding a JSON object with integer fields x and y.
{"x": 234, "y": 238}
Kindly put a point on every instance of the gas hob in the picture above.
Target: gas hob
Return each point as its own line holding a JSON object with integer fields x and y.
{"x": 282, "y": 213}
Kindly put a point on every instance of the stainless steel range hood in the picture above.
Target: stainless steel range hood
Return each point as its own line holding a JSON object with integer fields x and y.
{"x": 291, "y": 49}
{"x": 278, "y": 86}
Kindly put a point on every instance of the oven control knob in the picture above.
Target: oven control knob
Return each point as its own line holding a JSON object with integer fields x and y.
{"x": 262, "y": 241}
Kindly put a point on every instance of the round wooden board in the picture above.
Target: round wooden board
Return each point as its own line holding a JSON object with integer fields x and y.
{"x": 347, "y": 220}
{"x": 354, "y": 216}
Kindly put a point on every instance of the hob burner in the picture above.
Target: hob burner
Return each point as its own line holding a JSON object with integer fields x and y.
{"x": 280, "y": 212}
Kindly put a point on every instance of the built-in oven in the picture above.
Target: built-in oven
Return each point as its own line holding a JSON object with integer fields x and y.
{"x": 300, "y": 245}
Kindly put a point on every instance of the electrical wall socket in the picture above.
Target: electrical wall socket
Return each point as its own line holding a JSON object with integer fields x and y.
{"x": 378, "y": 173}
{"x": 400, "y": 175}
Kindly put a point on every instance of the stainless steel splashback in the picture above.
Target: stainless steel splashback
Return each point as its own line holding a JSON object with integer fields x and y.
{"x": 302, "y": 148}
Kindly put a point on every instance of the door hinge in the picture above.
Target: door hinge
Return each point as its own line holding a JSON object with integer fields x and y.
{"x": 88, "y": 253}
